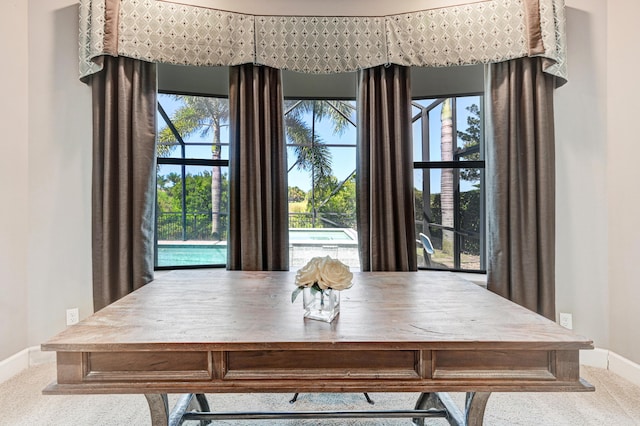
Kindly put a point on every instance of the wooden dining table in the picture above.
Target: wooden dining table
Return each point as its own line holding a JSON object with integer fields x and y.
{"x": 198, "y": 332}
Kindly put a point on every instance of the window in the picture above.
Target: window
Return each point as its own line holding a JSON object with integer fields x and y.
{"x": 192, "y": 181}
{"x": 449, "y": 183}
{"x": 320, "y": 117}
{"x": 321, "y": 154}
{"x": 192, "y": 184}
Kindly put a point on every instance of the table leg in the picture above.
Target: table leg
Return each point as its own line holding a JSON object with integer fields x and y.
{"x": 475, "y": 405}
{"x": 474, "y": 408}
{"x": 430, "y": 401}
{"x": 203, "y": 406}
{"x": 158, "y": 408}
{"x": 162, "y": 416}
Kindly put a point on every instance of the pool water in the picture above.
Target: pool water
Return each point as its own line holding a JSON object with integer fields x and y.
{"x": 196, "y": 254}
{"x": 322, "y": 234}
{"x": 305, "y": 243}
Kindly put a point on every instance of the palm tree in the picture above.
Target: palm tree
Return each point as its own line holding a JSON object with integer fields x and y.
{"x": 204, "y": 115}
{"x": 311, "y": 152}
{"x": 446, "y": 180}
{"x": 207, "y": 115}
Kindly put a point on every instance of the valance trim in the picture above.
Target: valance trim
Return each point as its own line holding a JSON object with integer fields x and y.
{"x": 534, "y": 31}
{"x": 479, "y": 32}
{"x": 111, "y": 22}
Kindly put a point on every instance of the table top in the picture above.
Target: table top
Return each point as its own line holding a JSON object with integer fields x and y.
{"x": 237, "y": 310}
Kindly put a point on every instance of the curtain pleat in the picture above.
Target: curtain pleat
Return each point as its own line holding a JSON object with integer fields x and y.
{"x": 123, "y": 182}
{"x": 384, "y": 173}
{"x": 258, "y": 222}
{"x": 521, "y": 184}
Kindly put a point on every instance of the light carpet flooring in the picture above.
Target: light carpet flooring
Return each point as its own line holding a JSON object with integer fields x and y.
{"x": 616, "y": 402}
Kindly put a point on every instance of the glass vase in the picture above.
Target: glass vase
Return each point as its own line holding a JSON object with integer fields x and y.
{"x": 321, "y": 305}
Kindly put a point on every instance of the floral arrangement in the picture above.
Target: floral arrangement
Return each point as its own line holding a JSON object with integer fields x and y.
{"x": 322, "y": 273}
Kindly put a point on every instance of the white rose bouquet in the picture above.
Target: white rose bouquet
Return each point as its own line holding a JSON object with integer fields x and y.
{"x": 322, "y": 273}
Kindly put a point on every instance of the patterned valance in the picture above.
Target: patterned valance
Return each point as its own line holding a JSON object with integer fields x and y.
{"x": 168, "y": 32}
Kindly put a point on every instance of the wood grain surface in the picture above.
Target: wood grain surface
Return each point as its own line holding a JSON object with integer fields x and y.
{"x": 224, "y": 331}
{"x": 243, "y": 310}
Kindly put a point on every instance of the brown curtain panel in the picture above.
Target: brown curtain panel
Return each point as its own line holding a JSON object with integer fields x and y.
{"x": 521, "y": 184}
{"x": 258, "y": 222}
{"x": 123, "y": 185}
{"x": 384, "y": 171}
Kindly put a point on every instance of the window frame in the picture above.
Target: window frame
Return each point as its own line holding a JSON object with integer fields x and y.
{"x": 425, "y": 166}
{"x": 456, "y": 165}
{"x": 353, "y": 146}
{"x": 183, "y": 162}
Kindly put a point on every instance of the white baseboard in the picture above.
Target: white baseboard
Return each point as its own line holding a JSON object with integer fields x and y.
{"x": 624, "y": 368}
{"x": 22, "y": 360}
{"x": 598, "y": 358}
{"x": 14, "y": 365}
{"x": 605, "y": 359}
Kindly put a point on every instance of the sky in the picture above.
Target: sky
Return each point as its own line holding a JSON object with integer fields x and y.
{"x": 343, "y": 158}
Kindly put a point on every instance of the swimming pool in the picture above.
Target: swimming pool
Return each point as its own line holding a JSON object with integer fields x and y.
{"x": 304, "y": 243}
{"x": 322, "y": 234}
{"x": 178, "y": 254}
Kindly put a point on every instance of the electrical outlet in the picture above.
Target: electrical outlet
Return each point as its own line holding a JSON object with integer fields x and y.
{"x": 566, "y": 320}
{"x": 73, "y": 316}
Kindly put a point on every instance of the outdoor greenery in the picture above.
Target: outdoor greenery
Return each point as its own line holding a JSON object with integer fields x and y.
{"x": 198, "y": 209}
{"x": 202, "y": 213}
{"x": 204, "y": 116}
{"x": 469, "y": 219}
{"x": 336, "y": 205}
{"x": 301, "y": 116}
{"x": 335, "y": 202}
{"x": 198, "y": 192}
{"x": 467, "y": 203}
{"x": 470, "y": 200}
{"x": 470, "y": 150}
{"x": 296, "y": 194}
{"x": 329, "y": 203}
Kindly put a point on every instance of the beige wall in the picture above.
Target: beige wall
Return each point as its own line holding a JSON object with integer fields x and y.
{"x": 598, "y": 197}
{"x": 13, "y": 178}
{"x": 623, "y": 177}
{"x": 45, "y": 237}
{"x": 581, "y": 164}
{"x": 59, "y": 237}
